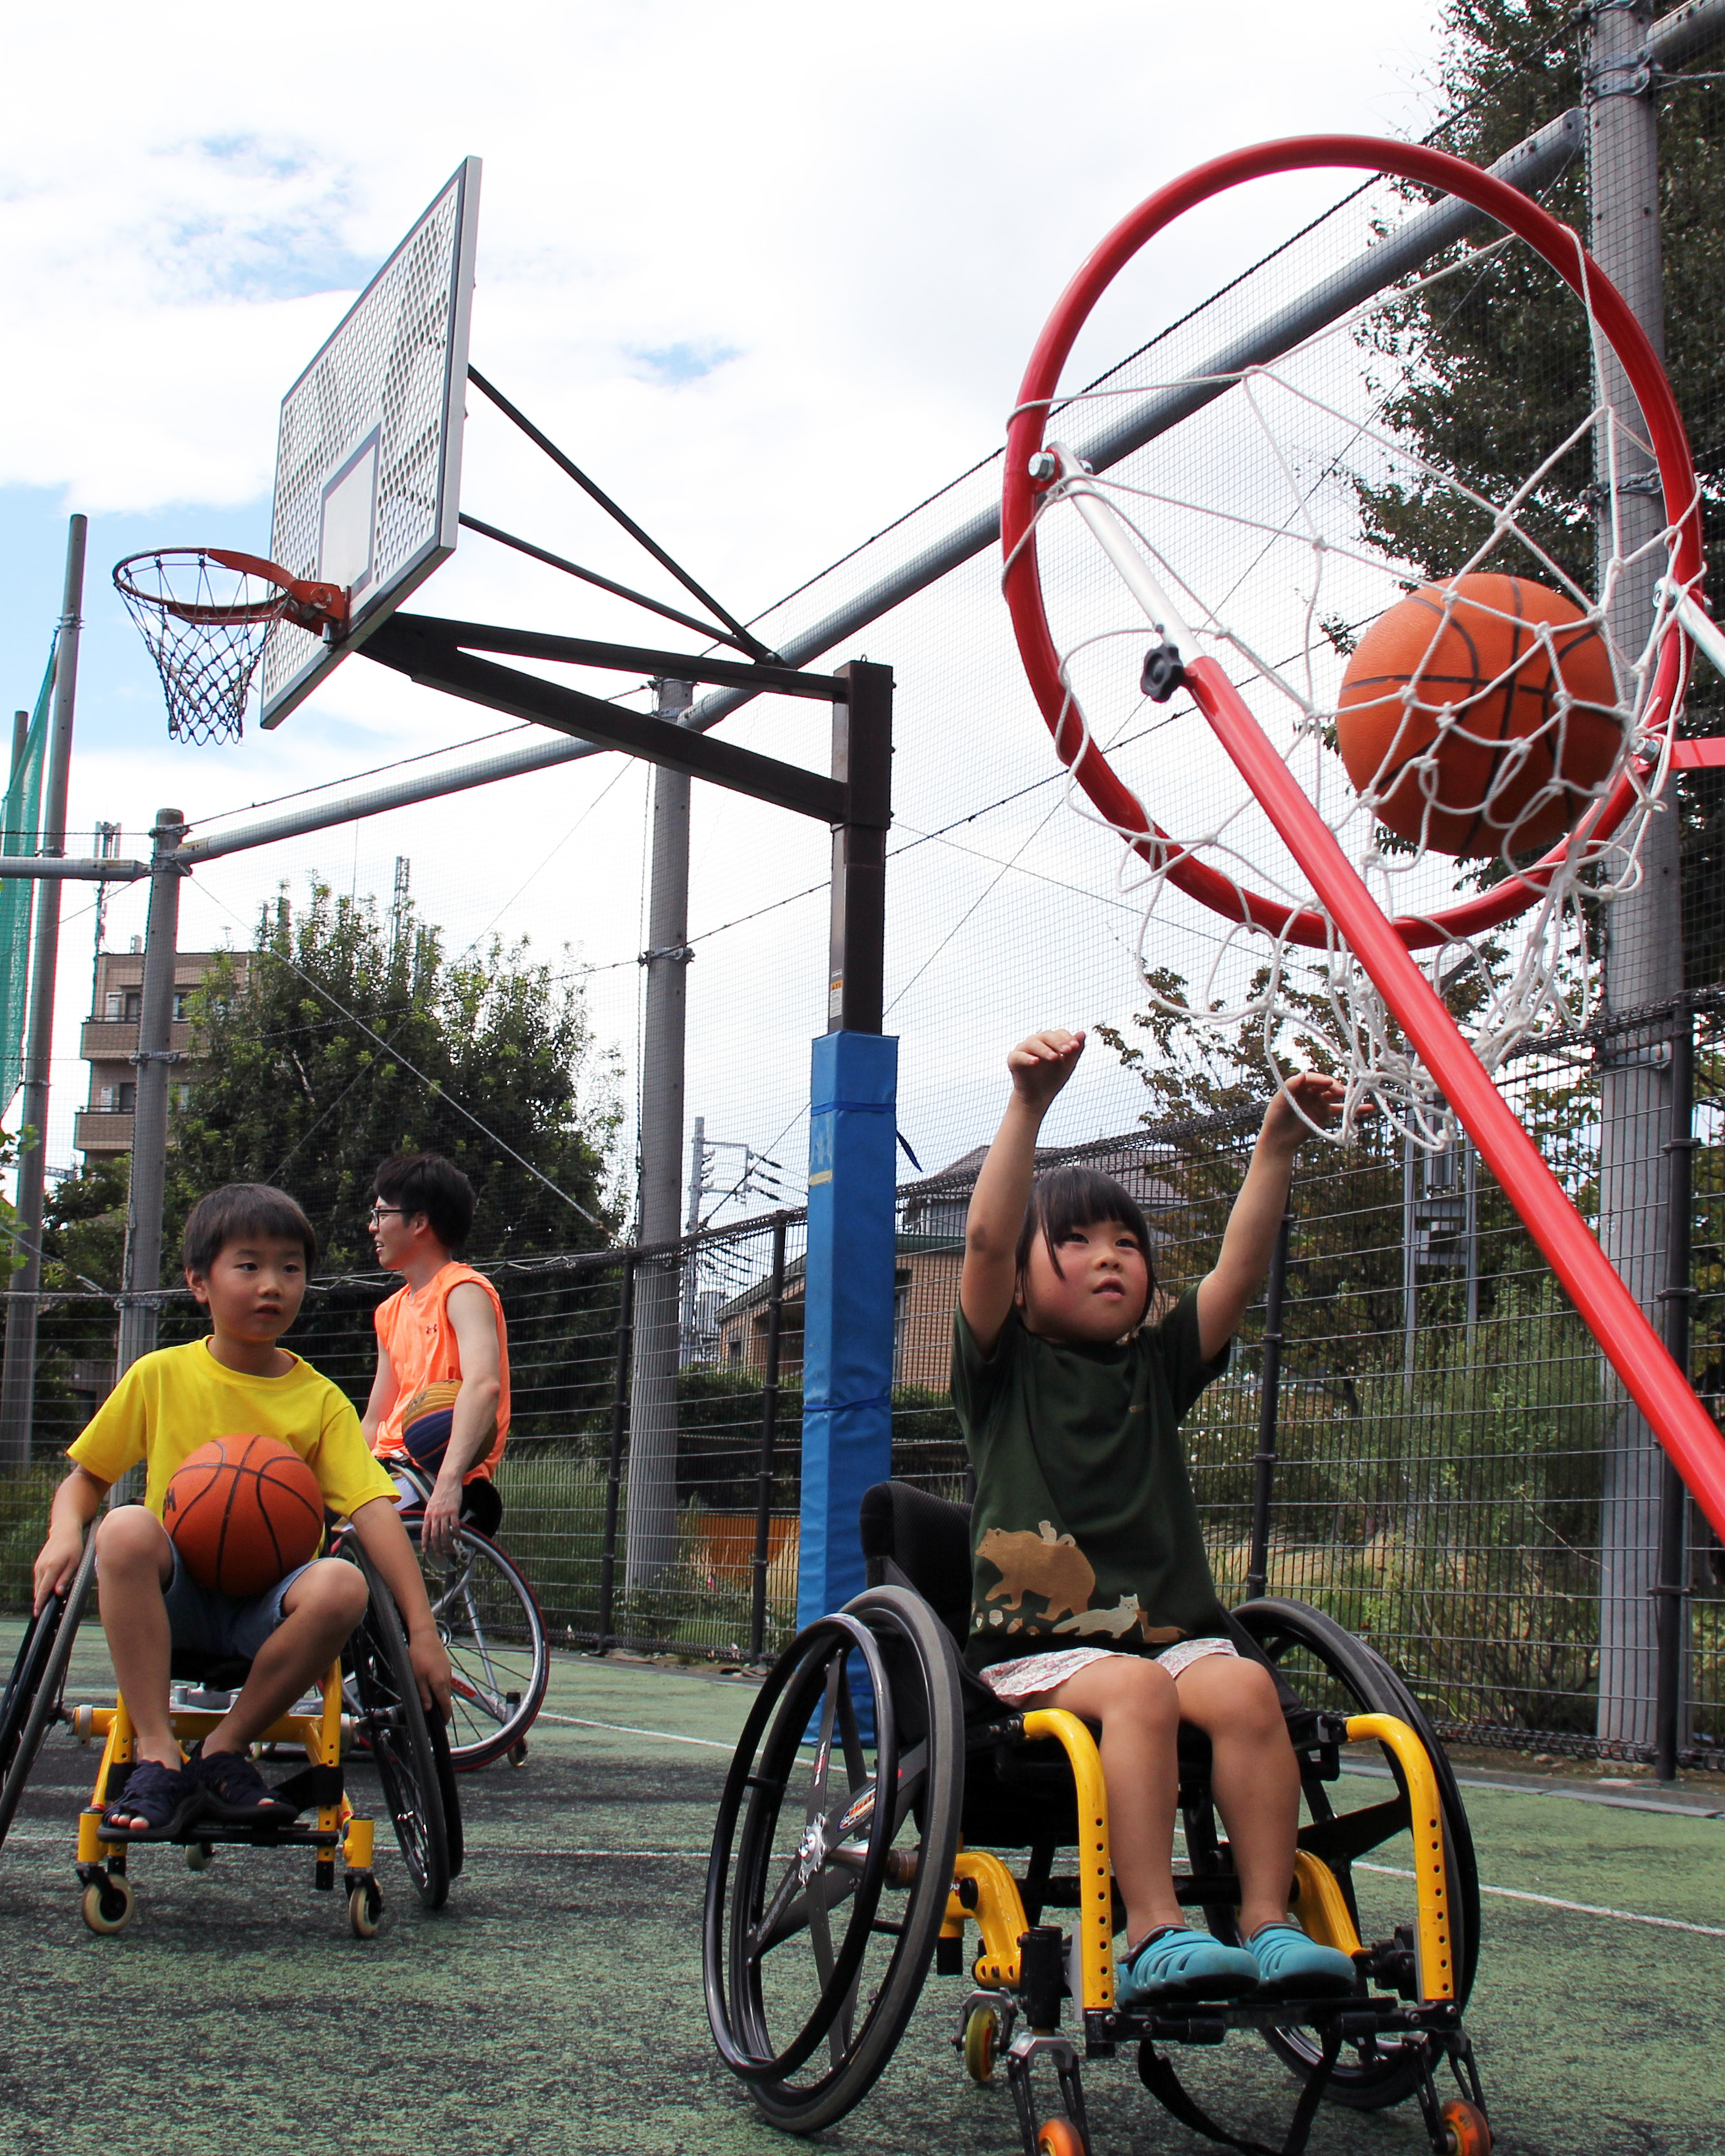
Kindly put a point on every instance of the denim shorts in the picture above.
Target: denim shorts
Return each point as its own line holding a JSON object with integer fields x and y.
{"x": 204, "y": 1621}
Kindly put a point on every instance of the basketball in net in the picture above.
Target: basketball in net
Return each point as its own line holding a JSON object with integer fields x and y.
{"x": 1369, "y": 644}
{"x": 206, "y": 614}
{"x": 1481, "y": 717}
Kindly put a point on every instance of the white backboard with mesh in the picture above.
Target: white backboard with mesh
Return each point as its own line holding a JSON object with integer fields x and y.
{"x": 368, "y": 466}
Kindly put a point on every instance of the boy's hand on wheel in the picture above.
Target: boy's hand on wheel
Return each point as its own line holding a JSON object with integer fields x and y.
{"x": 1042, "y": 1065}
{"x": 55, "y": 1569}
{"x": 430, "y": 1666}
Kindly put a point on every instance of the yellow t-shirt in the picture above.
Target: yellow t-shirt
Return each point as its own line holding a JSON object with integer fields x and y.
{"x": 170, "y": 1403}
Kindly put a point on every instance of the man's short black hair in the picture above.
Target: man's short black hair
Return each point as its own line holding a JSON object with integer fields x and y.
{"x": 426, "y": 1182}
{"x": 238, "y": 1212}
{"x": 1077, "y": 1197}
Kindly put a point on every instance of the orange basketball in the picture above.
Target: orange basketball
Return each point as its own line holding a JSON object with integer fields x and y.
{"x": 1460, "y": 673}
{"x": 243, "y": 1512}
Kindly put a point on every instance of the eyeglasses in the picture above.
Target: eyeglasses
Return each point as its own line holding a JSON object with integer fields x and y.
{"x": 383, "y": 1212}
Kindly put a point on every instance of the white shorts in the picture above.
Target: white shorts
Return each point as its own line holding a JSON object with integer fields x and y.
{"x": 1032, "y": 1675}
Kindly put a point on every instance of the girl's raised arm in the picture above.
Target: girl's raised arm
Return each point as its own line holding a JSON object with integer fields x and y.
{"x": 1039, "y": 1067}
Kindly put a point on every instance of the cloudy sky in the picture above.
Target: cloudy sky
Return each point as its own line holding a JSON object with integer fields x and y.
{"x": 770, "y": 272}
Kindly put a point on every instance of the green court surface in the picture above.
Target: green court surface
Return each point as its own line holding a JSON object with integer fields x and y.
{"x": 555, "y": 2005}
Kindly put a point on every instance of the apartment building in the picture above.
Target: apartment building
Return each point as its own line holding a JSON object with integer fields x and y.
{"x": 111, "y": 1038}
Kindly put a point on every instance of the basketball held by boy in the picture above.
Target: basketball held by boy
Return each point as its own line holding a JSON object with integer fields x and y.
{"x": 248, "y": 1251}
{"x": 1091, "y": 1587}
{"x": 439, "y": 1399}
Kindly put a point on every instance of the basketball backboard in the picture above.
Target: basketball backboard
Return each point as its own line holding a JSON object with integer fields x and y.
{"x": 368, "y": 463}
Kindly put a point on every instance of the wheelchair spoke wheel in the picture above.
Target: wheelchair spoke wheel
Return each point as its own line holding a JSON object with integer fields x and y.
{"x": 1333, "y": 1671}
{"x": 32, "y": 1704}
{"x": 490, "y": 1623}
{"x": 832, "y": 1857}
{"x": 394, "y": 1727}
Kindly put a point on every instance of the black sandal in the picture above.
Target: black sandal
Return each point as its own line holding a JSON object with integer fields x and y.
{"x": 167, "y": 1797}
{"x": 230, "y": 1788}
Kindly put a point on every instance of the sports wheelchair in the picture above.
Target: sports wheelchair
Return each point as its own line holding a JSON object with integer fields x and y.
{"x": 878, "y": 1778}
{"x": 491, "y": 1625}
{"x": 407, "y": 1748}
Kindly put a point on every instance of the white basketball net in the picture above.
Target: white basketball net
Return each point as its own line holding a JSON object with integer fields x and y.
{"x": 1253, "y": 518}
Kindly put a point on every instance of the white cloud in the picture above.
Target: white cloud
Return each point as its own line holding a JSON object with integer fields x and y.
{"x": 854, "y": 222}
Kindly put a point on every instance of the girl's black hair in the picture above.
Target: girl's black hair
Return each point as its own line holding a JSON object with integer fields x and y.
{"x": 1076, "y": 1197}
{"x": 237, "y": 1212}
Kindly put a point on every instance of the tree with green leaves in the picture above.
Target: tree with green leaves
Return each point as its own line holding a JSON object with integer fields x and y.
{"x": 347, "y": 1036}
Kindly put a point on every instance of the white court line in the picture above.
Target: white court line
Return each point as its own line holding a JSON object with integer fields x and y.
{"x": 626, "y": 1729}
{"x": 1554, "y": 1902}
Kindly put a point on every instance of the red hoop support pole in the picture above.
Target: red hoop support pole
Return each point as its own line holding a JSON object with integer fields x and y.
{"x": 1611, "y": 1312}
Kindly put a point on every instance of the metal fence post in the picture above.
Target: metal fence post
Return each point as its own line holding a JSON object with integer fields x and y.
{"x": 155, "y": 1057}
{"x": 614, "y": 1457}
{"x": 1269, "y": 1402}
{"x": 769, "y": 1440}
{"x": 1672, "y": 1590}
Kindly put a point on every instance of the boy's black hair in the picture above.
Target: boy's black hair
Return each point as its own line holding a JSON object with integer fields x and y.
{"x": 238, "y": 1211}
{"x": 426, "y": 1182}
{"x": 1076, "y": 1196}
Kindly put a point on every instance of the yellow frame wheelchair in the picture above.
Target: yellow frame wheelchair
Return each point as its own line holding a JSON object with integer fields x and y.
{"x": 858, "y": 1844}
{"x": 386, "y": 1723}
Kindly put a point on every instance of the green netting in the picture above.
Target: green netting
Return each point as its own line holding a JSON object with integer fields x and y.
{"x": 20, "y": 833}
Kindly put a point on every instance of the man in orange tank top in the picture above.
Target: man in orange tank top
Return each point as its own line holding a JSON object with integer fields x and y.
{"x": 443, "y": 1327}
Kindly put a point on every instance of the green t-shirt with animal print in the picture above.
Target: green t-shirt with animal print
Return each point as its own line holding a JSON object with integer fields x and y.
{"x": 1084, "y": 1532}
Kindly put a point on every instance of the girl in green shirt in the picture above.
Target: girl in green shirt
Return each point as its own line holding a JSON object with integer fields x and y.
{"x": 1092, "y": 1590}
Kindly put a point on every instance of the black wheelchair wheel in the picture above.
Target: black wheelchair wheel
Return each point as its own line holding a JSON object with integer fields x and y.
{"x": 489, "y": 1622}
{"x": 395, "y": 1730}
{"x": 823, "y": 1901}
{"x": 32, "y": 1704}
{"x": 1332, "y": 1670}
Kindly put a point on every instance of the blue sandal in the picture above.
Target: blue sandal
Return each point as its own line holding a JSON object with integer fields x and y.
{"x": 166, "y": 1797}
{"x": 1179, "y": 1962}
{"x": 1294, "y": 1966}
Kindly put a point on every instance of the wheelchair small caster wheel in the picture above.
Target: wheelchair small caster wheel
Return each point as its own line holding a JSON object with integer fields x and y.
{"x": 108, "y": 1904}
{"x": 198, "y": 1854}
{"x": 516, "y": 1753}
{"x": 365, "y": 1909}
{"x": 1059, "y": 2137}
{"x": 1465, "y": 2128}
{"x": 982, "y": 2037}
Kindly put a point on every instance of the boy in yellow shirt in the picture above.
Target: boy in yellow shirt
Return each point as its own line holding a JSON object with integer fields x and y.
{"x": 248, "y": 1251}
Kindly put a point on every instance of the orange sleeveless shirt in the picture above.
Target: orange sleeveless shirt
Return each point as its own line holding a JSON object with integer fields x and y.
{"x": 414, "y": 1330}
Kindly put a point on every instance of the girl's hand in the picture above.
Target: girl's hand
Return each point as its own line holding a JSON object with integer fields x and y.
{"x": 1307, "y": 1094}
{"x": 1041, "y": 1065}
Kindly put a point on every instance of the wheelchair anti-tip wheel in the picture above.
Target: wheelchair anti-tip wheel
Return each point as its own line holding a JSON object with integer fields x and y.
{"x": 1332, "y": 1670}
{"x": 31, "y": 1705}
{"x": 404, "y": 1743}
{"x": 490, "y": 1623}
{"x": 832, "y": 1856}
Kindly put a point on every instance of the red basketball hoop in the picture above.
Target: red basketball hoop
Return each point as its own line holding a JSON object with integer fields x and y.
{"x": 206, "y": 614}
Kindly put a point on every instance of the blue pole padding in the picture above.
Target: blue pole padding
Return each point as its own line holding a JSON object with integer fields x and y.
{"x": 848, "y": 1309}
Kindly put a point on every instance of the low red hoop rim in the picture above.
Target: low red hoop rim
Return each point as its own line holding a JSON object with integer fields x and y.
{"x": 301, "y": 599}
{"x": 1088, "y": 764}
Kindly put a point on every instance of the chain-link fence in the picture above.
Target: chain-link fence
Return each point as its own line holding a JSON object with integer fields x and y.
{"x": 1456, "y": 1474}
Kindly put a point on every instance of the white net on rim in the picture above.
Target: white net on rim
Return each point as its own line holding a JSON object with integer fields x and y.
{"x": 1285, "y": 519}
{"x": 207, "y": 627}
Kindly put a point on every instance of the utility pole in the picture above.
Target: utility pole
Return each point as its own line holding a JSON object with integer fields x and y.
{"x": 1644, "y": 932}
{"x": 18, "y": 1377}
{"x": 154, "y": 1060}
{"x": 658, "y": 1288}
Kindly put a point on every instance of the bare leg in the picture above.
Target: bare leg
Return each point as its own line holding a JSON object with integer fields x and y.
{"x": 1254, "y": 1773}
{"x": 135, "y": 1562}
{"x": 320, "y": 1611}
{"x": 1138, "y": 1707}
